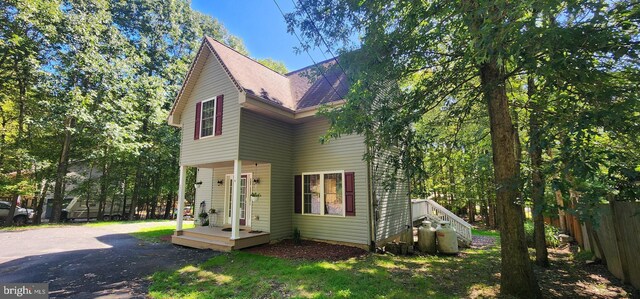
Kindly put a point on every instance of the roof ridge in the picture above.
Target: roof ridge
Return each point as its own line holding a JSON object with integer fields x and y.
{"x": 311, "y": 65}
{"x": 234, "y": 50}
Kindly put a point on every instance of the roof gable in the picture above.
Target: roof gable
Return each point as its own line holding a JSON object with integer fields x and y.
{"x": 318, "y": 84}
{"x": 308, "y": 87}
{"x": 255, "y": 78}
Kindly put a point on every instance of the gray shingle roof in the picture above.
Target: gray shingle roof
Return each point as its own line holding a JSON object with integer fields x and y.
{"x": 296, "y": 90}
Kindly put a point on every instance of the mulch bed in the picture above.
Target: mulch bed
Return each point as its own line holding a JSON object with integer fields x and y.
{"x": 308, "y": 250}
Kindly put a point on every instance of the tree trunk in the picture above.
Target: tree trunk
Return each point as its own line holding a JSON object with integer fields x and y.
{"x": 518, "y": 152}
{"x": 22, "y": 99}
{"x": 103, "y": 191}
{"x": 452, "y": 185}
{"x": 37, "y": 218}
{"x": 136, "y": 190}
{"x": 124, "y": 196}
{"x": 88, "y": 193}
{"x": 516, "y": 275}
{"x": 471, "y": 205}
{"x": 169, "y": 205}
{"x": 537, "y": 177}
{"x": 61, "y": 172}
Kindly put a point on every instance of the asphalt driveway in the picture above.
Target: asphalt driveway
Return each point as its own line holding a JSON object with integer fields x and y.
{"x": 90, "y": 262}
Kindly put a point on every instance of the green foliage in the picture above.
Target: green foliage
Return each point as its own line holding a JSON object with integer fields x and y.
{"x": 274, "y": 65}
{"x": 297, "y": 236}
{"x": 97, "y": 78}
{"x": 488, "y": 233}
{"x": 550, "y": 234}
{"x": 417, "y": 57}
{"x": 583, "y": 255}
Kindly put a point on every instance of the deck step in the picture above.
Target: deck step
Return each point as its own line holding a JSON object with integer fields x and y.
{"x": 205, "y": 235}
{"x": 200, "y": 243}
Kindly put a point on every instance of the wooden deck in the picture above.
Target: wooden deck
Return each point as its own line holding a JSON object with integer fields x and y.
{"x": 217, "y": 239}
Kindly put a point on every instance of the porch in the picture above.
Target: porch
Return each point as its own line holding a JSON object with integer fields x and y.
{"x": 222, "y": 190}
{"x": 219, "y": 238}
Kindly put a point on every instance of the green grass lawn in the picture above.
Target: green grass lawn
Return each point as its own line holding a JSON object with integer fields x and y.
{"x": 89, "y": 224}
{"x": 246, "y": 275}
{"x": 154, "y": 234}
{"x": 105, "y": 223}
{"x": 483, "y": 232}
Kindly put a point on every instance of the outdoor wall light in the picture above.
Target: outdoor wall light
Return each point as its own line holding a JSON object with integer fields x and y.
{"x": 220, "y": 182}
{"x": 256, "y": 181}
{"x": 198, "y": 184}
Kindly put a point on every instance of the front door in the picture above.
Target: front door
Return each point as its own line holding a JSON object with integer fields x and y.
{"x": 243, "y": 200}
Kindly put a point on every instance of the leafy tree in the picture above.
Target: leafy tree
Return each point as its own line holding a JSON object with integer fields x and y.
{"x": 275, "y": 65}
{"x": 416, "y": 55}
{"x": 90, "y": 84}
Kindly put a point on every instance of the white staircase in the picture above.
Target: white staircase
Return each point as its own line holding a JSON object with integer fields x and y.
{"x": 431, "y": 210}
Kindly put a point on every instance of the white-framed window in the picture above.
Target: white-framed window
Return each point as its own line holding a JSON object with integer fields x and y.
{"x": 207, "y": 117}
{"x": 323, "y": 193}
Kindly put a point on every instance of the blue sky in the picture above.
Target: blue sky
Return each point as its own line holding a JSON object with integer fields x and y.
{"x": 261, "y": 27}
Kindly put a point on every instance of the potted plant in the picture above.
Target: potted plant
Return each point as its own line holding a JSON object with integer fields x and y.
{"x": 204, "y": 218}
{"x": 255, "y": 196}
{"x": 213, "y": 217}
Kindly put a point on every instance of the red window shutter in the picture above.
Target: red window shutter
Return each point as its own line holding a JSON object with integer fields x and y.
{"x": 349, "y": 193}
{"x": 196, "y": 132}
{"x": 219, "y": 107}
{"x": 297, "y": 197}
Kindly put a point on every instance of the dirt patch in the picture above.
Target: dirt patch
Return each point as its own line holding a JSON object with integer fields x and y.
{"x": 166, "y": 238}
{"x": 570, "y": 278}
{"x": 308, "y": 250}
{"x": 482, "y": 242}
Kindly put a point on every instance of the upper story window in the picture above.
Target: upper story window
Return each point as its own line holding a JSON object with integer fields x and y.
{"x": 323, "y": 193}
{"x": 207, "y": 119}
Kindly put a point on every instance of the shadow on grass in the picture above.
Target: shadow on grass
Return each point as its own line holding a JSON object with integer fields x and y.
{"x": 156, "y": 233}
{"x": 246, "y": 275}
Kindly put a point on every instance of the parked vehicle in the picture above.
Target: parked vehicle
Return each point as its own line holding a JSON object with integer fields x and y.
{"x": 21, "y": 216}
{"x": 77, "y": 209}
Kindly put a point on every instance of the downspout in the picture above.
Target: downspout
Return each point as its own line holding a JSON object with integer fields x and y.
{"x": 408, "y": 178}
{"x": 370, "y": 197}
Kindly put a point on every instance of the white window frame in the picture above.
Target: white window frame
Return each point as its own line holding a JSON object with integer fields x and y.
{"x": 213, "y": 130}
{"x": 322, "y": 197}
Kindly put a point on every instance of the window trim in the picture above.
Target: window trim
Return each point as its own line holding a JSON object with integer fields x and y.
{"x": 213, "y": 130}
{"x": 322, "y": 195}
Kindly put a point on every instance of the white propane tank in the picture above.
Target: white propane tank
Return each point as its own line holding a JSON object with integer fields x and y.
{"x": 427, "y": 238}
{"x": 447, "y": 238}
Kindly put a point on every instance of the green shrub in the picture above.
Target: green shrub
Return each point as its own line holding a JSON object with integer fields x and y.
{"x": 550, "y": 235}
{"x": 583, "y": 255}
{"x": 297, "y": 237}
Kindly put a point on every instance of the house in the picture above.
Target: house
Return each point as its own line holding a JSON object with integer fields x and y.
{"x": 243, "y": 122}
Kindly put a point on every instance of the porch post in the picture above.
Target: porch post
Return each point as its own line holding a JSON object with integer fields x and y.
{"x": 183, "y": 172}
{"x": 235, "y": 204}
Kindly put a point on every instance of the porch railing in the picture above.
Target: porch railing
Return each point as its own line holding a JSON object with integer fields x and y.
{"x": 431, "y": 210}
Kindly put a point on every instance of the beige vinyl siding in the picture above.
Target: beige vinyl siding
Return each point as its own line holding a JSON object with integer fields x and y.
{"x": 211, "y": 82}
{"x": 203, "y": 193}
{"x": 258, "y": 209}
{"x": 391, "y": 204}
{"x": 268, "y": 140}
{"x": 219, "y": 192}
{"x": 342, "y": 154}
